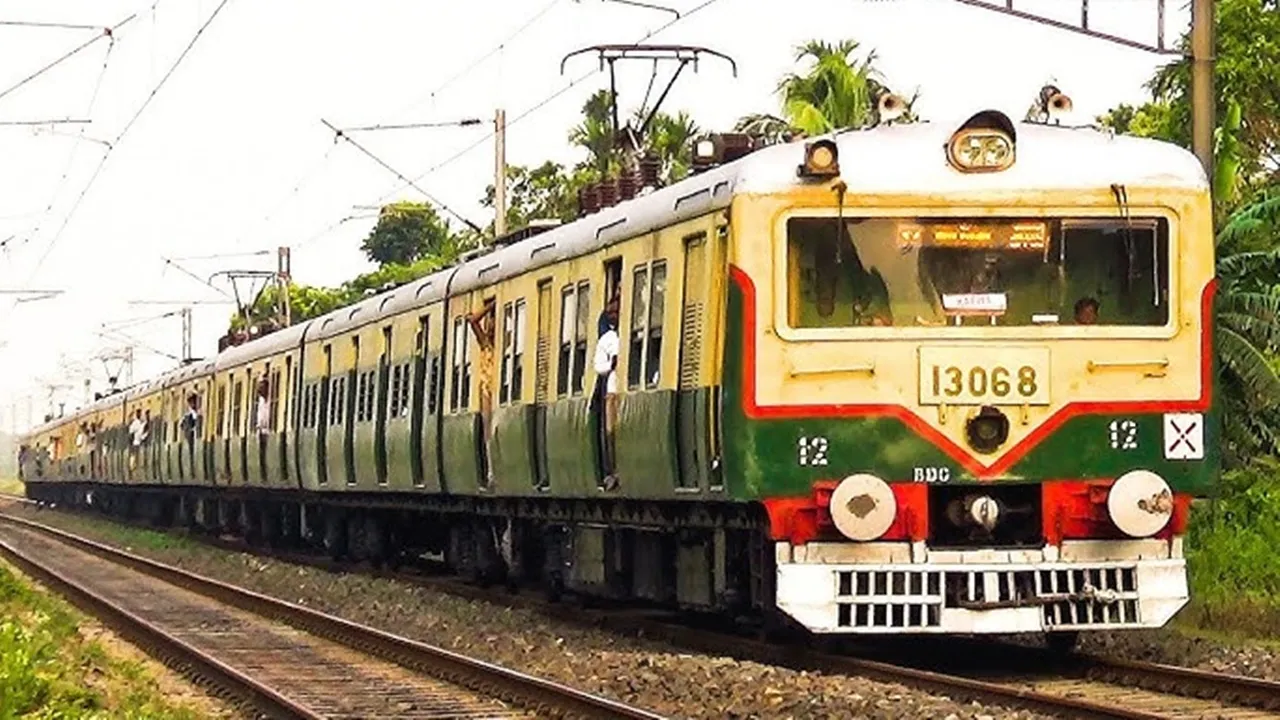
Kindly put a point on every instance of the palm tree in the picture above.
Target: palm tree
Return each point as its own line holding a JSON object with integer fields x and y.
{"x": 835, "y": 93}
{"x": 670, "y": 137}
{"x": 1248, "y": 329}
{"x": 763, "y": 125}
{"x": 595, "y": 133}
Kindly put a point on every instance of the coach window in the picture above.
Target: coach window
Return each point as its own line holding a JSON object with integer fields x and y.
{"x": 273, "y": 407}
{"x": 237, "y": 405}
{"x": 406, "y": 387}
{"x": 648, "y": 305}
{"x": 393, "y": 405}
{"x": 460, "y": 367}
{"x": 568, "y": 323}
{"x": 582, "y": 328}
{"x": 512, "y": 375}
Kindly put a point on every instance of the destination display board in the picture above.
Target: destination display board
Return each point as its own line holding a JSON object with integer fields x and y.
{"x": 1031, "y": 235}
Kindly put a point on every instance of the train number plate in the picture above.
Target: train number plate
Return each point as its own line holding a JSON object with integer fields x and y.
{"x": 984, "y": 376}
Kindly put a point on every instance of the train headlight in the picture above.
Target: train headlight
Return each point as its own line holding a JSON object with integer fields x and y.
{"x": 1140, "y": 503}
{"x": 987, "y": 430}
{"x": 863, "y": 507}
{"x": 980, "y": 150}
{"x": 821, "y": 159}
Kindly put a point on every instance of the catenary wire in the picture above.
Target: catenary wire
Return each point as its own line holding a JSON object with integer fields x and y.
{"x": 536, "y": 107}
{"x": 71, "y": 156}
{"x": 107, "y": 33}
{"x": 116, "y": 143}
{"x": 343, "y": 136}
{"x": 47, "y": 25}
{"x": 480, "y": 60}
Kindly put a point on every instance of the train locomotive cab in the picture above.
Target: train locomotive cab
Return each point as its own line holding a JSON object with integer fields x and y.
{"x": 975, "y": 376}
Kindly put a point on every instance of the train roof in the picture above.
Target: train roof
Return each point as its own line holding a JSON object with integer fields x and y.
{"x": 902, "y": 159}
{"x": 889, "y": 159}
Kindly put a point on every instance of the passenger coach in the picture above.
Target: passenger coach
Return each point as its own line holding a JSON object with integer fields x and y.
{"x": 921, "y": 378}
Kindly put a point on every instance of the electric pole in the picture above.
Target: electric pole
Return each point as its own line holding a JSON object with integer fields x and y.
{"x": 186, "y": 335}
{"x": 283, "y": 271}
{"x": 1202, "y": 98}
{"x": 500, "y": 174}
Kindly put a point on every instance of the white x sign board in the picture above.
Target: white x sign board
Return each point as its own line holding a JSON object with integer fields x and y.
{"x": 1184, "y": 436}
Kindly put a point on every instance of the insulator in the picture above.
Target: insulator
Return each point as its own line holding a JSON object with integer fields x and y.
{"x": 608, "y": 192}
{"x": 650, "y": 171}
{"x": 588, "y": 200}
{"x": 628, "y": 184}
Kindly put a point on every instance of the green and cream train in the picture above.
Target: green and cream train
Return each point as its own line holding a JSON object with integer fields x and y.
{"x": 923, "y": 378}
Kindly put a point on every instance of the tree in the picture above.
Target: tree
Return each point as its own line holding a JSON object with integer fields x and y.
{"x": 833, "y": 94}
{"x": 409, "y": 231}
{"x": 1246, "y": 207}
{"x": 548, "y": 191}
{"x": 1246, "y": 73}
{"x": 1248, "y": 329}
{"x": 669, "y": 137}
{"x": 595, "y": 134}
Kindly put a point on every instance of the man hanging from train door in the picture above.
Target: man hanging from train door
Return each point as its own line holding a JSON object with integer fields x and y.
{"x": 262, "y": 416}
{"x": 190, "y": 427}
{"x": 483, "y": 326}
{"x": 605, "y": 396}
{"x": 137, "y": 434}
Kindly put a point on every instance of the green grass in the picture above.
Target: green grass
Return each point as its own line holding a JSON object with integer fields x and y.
{"x": 133, "y": 538}
{"x": 49, "y": 671}
{"x": 12, "y": 486}
{"x": 1233, "y": 552}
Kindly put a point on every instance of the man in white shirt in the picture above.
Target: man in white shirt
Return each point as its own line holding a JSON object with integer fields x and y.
{"x": 137, "y": 434}
{"x": 606, "y": 366}
{"x": 263, "y": 408}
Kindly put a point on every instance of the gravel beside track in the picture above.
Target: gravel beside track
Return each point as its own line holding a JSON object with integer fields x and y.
{"x": 1098, "y": 687}
{"x": 631, "y": 670}
{"x": 322, "y": 678}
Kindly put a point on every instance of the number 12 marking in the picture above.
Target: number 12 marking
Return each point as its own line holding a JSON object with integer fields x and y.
{"x": 813, "y": 451}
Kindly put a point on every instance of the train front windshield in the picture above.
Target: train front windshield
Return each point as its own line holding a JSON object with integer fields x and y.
{"x": 971, "y": 271}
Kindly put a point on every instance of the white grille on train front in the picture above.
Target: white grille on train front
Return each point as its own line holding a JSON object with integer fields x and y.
{"x": 889, "y": 598}
{"x": 1070, "y": 598}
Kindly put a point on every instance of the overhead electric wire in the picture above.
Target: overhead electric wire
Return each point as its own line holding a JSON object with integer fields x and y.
{"x": 71, "y": 156}
{"x": 537, "y": 106}
{"x": 106, "y": 32}
{"x": 171, "y": 70}
{"x": 343, "y": 136}
{"x": 480, "y": 60}
{"x": 302, "y": 181}
{"x": 49, "y": 25}
{"x": 197, "y": 278}
{"x": 116, "y": 143}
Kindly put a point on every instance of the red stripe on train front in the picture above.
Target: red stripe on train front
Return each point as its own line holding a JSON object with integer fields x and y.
{"x": 966, "y": 460}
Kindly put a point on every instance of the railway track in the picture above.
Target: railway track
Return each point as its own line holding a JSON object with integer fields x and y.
{"x": 280, "y": 660}
{"x": 1011, "y": 675}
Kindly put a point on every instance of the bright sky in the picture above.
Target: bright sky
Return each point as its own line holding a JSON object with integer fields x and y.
{"x": 230, "y": 155}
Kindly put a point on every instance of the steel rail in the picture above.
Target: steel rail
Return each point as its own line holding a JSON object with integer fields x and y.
{"x": 543, "y": 696}
{"x": 1166, "y": 679}
{"x": 187, "y": 660}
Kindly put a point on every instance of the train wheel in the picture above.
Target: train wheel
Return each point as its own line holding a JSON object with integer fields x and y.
{"x": 290, "y": 526}
{"x": 375, "y": 540}
{"x": 357, "y": 539}
{"x": 335, "y": 534}
{"x": 269, "y": 522}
